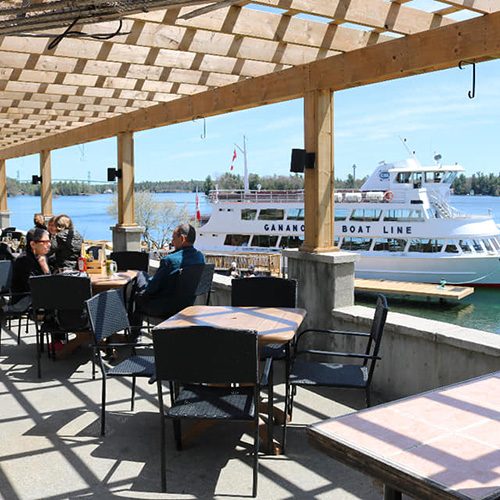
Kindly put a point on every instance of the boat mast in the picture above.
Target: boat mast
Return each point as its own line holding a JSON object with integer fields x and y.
{"x": 245, "y": 175}
{"x": 412, "y": 153}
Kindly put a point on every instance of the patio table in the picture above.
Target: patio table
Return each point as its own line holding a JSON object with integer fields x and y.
{"x": 103, "y": 282}
{"x": 442, "y": 444}
{"x": 274, "y": 325}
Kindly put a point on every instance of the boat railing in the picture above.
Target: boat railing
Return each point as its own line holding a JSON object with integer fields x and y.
{"x": 444, "y": 209}
{"x": 257, "y": 196}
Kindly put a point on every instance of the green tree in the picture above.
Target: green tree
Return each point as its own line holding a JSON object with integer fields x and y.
{"x": 208, "y": 185}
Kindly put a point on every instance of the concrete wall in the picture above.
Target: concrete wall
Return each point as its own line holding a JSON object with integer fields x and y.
{"x": 417, "y": 354}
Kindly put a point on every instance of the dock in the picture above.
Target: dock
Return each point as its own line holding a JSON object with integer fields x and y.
{"x": 408, "y": 288}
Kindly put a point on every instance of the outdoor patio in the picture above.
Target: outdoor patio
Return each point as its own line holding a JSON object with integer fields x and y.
{"x": 50, "y": 446}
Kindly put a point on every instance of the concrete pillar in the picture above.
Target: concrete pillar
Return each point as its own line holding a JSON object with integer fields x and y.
{"x": 126, "y": 238}
{"x": 4, "y": 212}
{"x": 325, "y": 282}
{"x": 46, "y": 184}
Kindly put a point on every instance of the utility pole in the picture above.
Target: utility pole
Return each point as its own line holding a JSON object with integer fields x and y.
{"x": 354, "y": 176}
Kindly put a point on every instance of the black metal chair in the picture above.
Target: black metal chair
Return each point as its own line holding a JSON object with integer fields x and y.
{"x": 5, "y": 281}
{"x": 125, "y": 261}
{"x": 266, "y": 291}
{"x": 190, "y": 283}
{"x": 326, "y": 373}
{"x": 191, "y": 357}
{"x": 58, "y": 303}
{"x": 108, "y": 316}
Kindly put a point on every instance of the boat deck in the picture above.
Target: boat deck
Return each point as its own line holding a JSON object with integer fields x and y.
{"x": 407, "y": 288}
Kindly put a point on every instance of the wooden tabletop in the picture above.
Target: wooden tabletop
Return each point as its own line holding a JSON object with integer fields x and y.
{"x": 102, "y": 282}
{"x": 443, "y": 444}
{"x": 275, "y": 325}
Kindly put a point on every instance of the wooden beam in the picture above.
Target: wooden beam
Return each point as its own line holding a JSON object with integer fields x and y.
{"x": 473, "y": 40}
{"x": 375, "y": 14}
{"x": 319, "y": 181}
{"x": 46, "y": 184}
{"x": 126, "y": 200}
{"x": 3, "y": 188}
{"x": 481, "y": 6}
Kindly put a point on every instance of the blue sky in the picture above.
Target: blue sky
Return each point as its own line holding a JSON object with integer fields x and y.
{"x": 432, "y": 111}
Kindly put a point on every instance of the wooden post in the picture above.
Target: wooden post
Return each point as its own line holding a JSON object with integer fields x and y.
{"x": 126, "y": 201}
{"x": 46, "y": 184}
{"x": 3, "y": 187}
{"x": 320, "y": 181}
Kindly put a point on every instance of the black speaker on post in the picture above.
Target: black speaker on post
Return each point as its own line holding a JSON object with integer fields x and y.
{"x": 114, "y": 173}
{"x": 298, "y": 163}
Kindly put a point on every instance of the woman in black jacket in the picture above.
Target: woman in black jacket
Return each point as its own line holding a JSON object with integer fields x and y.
{"x": 66, "y": 245}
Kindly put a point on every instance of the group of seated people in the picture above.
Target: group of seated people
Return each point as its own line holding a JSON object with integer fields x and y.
{"x": 57, "y": 248}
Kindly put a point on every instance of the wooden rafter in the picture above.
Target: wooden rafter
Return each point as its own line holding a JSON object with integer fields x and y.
{"x": 474, "y": 40}
{"x": 168, "y": 55}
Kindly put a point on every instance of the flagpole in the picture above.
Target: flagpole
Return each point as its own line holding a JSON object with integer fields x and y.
{"x": 244, "y": 151}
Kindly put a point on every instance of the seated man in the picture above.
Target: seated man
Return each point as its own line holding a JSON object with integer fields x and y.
{"x": 157, "y": 298}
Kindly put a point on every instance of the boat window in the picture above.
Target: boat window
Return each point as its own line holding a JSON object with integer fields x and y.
{"x": 487, "y": 245}
{"x": 424, "y": 245}
{"x": 264, "y": 240}
{"x": 341, "y": 213}
{"x": 403, "y": 177}
{"x": 389, "y": 245}
{"x": 449, "y": 177}
{"x": 291, "y": 241}
{"x": 451, "y": 247}
{"x": 295, "y": 214}
{"x": 495, "y": 243}
{"x": 417, "y": 180}
{"x": 271, "y": 214}
{"x": 356, "y": 244}
{"x": 465, "y": 246}
{"x": 237, "y": 240}
{"x": 248, "y": 214}
{"x": 477, "y": 246}
{"x": 404, "y": 215}
{"x": 430, "y": 213}
{"x": 366, "y": 214}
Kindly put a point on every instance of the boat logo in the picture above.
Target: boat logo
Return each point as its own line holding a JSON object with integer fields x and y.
{"x": 384, "y": 175}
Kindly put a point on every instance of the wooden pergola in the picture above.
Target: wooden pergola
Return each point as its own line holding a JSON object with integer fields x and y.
{"x": 178, "y": 60}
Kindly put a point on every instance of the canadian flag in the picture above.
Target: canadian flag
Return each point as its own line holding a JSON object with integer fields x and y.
{"x": 234, "y": 158}
{"x": 198, "y": 214}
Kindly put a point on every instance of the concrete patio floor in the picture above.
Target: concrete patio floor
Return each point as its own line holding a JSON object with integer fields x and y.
{"x": 50, "y": 446}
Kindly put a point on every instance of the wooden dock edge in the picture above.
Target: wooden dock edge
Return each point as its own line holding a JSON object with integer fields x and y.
{"x": 408, "y": 288}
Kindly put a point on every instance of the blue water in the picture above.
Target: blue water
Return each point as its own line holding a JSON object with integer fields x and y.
{"x": 481, "y": 310}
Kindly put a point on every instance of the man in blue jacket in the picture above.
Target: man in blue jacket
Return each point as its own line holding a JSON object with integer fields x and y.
{"x": 158, "y": 298}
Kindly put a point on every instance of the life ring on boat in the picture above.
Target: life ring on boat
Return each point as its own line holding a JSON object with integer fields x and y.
{"x": 388, "y": 196}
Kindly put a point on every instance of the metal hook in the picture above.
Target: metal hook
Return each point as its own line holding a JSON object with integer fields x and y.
{"x": 472, "y": 92}
{"x": 204, "y": 134}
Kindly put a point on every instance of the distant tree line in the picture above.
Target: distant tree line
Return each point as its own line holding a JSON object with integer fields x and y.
{"x": 481, "y": 184}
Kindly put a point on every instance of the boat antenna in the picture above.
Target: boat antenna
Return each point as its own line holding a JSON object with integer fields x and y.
{"x": 410, "y": 152}
{"x": 244, "y": 151}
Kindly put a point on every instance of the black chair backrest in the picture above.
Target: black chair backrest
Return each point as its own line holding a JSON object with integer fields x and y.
{"x": 7, "y": 230}
{"x": 186, "y": 282}
{"x": 125, "y": 261}
{"x": 60, "y": 291}
{"x": 107, "y": 314}
{"x": 378, "y": 324}
{"x": 197, "y": 354}
{"x": 5, "y": 275}
{"x": 264, "y": 291}
{"x": 65, "y": 295}
{"x": 205, "y": 283}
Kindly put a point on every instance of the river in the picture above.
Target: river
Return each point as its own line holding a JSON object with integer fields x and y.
{"x": 480, "y": 310}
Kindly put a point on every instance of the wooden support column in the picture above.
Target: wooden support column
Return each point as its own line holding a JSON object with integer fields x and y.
{"x": 126, "y": 201}
{"x": 46, "y": 184}
{"x": 4, "y": 211}
{"x": 319, "y": 182}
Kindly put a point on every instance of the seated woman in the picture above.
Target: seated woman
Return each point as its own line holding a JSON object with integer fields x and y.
{"x": 32, "y": 262}
{"x": 66, "y": 245}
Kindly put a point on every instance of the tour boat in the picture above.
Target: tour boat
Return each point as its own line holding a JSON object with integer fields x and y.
{"x": 400, "y": 222}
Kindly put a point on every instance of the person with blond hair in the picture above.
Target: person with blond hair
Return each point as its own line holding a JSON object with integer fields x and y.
{"x": 66, "y": 245}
